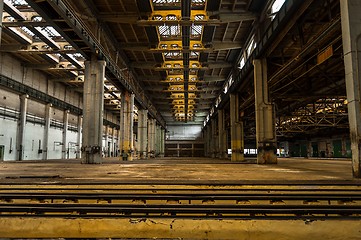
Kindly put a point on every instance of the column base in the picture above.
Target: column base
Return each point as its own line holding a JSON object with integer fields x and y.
{"x": 223, "y": 155}
{"x": 267, "y": 155}
{"x": 91, "y": 159}
{"x": 91, "y": 155}
{"x": 237, "y": 157}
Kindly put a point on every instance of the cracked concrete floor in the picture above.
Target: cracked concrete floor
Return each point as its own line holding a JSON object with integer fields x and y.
{"x": 177, "y": 170}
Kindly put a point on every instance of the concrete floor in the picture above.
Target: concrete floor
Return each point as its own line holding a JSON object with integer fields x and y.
{"x": 177, "y": 171}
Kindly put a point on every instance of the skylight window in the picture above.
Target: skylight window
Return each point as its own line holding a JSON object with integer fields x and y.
{"x": 27, "y": 31}
{"x": 166, "y": 2}
{"x": 51, "y": 32}
{"x": 276, "y": 6}
{"x": 19, "y": 3}
{"x": 169, "y": 31}
{"x": 199, "y": 17}
{"x": 194, "y": 54}
{"x": 196, "y": 30}
{"x": 251, "y": 46}
{"x": 241, "y": 63}
{"x": 173, "y": 55}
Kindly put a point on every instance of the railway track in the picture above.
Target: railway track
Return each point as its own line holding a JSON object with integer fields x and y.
{"x": 182, "y": 201}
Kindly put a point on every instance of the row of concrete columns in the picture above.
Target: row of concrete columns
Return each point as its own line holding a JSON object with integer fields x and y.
{"x": 150, "y": 135}
{"x": 21, "y": 130}
{"x": 265, "y": 117}
{"x": 217, "y": 134}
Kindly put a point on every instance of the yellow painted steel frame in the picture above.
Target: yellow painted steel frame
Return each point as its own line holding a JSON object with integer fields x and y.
{"x": 168, "y": 228}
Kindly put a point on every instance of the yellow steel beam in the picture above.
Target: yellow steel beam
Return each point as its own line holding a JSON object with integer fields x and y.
{"x": 169, "y": 228}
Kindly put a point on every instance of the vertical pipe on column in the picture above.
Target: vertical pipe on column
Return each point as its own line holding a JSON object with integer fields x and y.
{"x": 21, "y": 126}
{"x": 64, "y": 149}
{"x": 78, "y": 137}
{"x": 131, "y": 125}
{"x": 107, "y": 149}
{"x": 112, "y": 151}
{"x": 46, "y": 131}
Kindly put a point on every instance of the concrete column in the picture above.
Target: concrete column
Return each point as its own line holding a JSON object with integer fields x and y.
{"x": 204, "y": 134}
{"x": 351, "y": 38}
{"x": 142, "y": 133}
{"x": 265, "y": 117}
{"x": 222, "y": 135}
{"x": 64, "y": 135}
{"x": 162, "y": 142}
{"x": 93, "y": 111}
{"x": 127, "y": 120}
{"x": 151, "y": 137}
{"x": 237, "y": 135}
{"x": 107, "y": 149}
{"x": 121, "y": 123}
{"x": 208, "y": 140}
{"x": 214, "y": 138}
{"x": 78, "y": 137}
{"x": 21, "y": 126}
{"x": 1, "y": 18}
{"x": 113, "y": 143}
{"x": 46, "y": 131}
{"x": 157, "y": 139}
{"x": 131, "y": 125}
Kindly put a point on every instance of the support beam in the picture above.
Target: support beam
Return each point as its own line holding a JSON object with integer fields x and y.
{"x": 222, "y": 135}
{"x": 64, "y": 150}
{"x": 46, "y": 131}
{"x": 93, "y": 111}
{"x": 214, "y": 138}
{"x": 237, "y": 135}
{"x": 351, "y": 37}
{"x": 142, "y": 133}
{"x": 20, "y": 146}
{"x": 265, "y": 116}
{"x": 151, "y": 137}
{"x": 162, "y": 142}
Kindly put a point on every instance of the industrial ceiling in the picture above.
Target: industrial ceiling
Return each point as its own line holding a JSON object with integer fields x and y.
{"x": 182, "y": 58}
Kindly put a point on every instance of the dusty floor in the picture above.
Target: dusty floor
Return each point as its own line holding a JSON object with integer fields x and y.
{"x": 176, "y": 170}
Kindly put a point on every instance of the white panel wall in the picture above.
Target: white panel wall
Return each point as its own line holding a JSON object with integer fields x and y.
{"x": 8, "y": 138}
{"x": 55, "y": 138}
{"x": 33, "y": 133}
{"x": 186, "y": 132}
{"x": 71, "y": 144}
{"x": 12, "y": 68}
